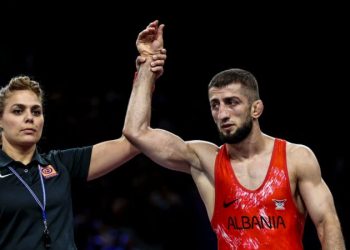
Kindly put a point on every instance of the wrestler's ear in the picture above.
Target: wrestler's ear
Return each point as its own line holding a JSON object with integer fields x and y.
{"x": 257, "y": 108}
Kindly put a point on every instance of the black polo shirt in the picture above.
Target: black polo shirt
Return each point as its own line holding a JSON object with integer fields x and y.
{"x": 21, "y": 222}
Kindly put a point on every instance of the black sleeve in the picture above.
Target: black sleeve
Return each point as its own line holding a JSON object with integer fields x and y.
{"x": 75, "y": 160}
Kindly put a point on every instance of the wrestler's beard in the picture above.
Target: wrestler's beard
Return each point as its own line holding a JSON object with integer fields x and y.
{"x": 240, "y": 134}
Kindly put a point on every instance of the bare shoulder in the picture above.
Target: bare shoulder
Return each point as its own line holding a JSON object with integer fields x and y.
{"x": 203, "y": 148}
{"x": 203, "y": 145}
{"x": 294, "y": 148}
{"x": 206, "y": 153}
{"x": 299, "y": 152}
{"x": 302, "y": 159}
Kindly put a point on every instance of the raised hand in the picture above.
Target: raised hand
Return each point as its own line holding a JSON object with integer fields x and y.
{"x": 150, "y": 41}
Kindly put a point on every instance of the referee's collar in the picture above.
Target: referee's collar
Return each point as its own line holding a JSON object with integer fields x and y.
{"x": 6, "y": 160}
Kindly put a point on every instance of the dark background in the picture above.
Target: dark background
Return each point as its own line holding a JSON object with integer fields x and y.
{"x": 83, "y": 54}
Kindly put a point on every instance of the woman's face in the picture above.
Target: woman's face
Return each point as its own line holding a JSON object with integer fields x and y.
{"x": 22, "y": 120}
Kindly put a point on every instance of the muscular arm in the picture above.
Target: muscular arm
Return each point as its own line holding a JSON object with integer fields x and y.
{"x": 318, "y": 199}
{"x": 107, "y": 156}
{"x": 161, "y": 146}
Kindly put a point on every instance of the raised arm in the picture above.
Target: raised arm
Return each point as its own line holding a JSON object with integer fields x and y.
{"x": 161, "y": 146}
{"x": 107, "y": 156}
{"x": 318, "y": 199}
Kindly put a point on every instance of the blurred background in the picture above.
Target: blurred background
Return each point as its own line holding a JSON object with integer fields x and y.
{"x": 83, "y": 54}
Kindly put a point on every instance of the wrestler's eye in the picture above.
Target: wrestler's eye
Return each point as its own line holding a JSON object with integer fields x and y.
{"x": 214, "y": 105}
{"x": 231, "y": 101}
